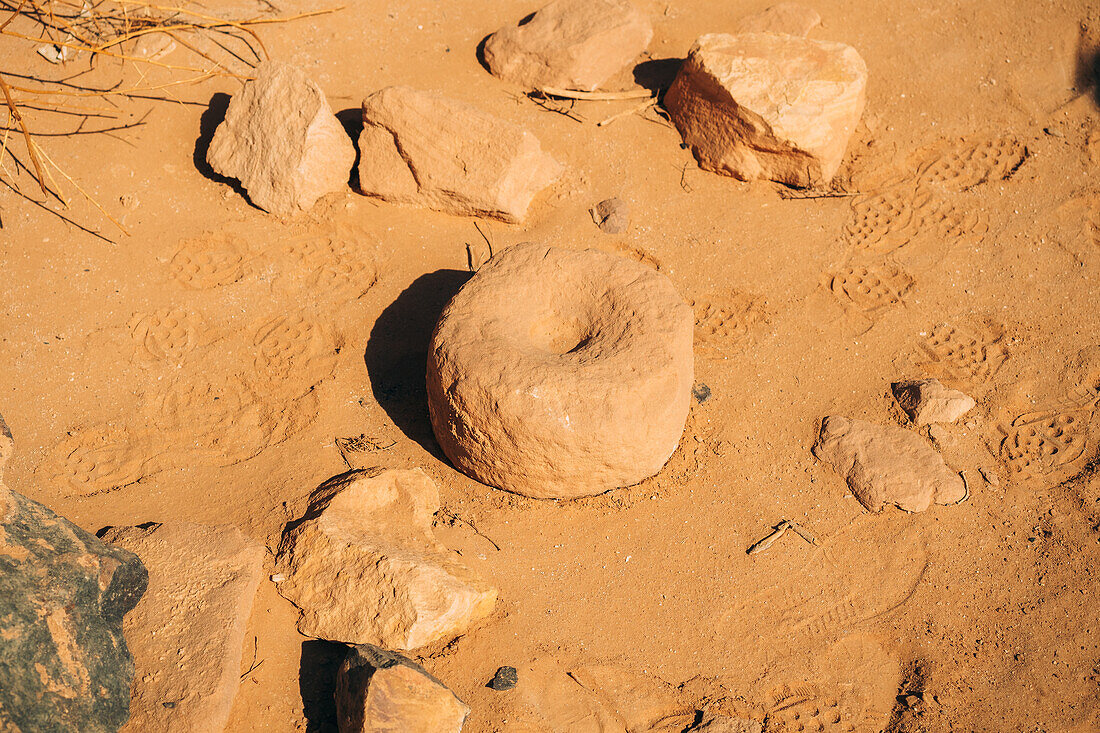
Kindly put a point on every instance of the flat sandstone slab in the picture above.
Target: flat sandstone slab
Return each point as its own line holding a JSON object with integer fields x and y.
{"x": 569, "y": 44}
{"x": 187, "y": 633}
{"x": 884, "y": 464}
{"x": 769, "y": 105}
{"x": 427, "y": 150}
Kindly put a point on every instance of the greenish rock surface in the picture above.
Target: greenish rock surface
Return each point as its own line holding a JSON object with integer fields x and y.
{"x": 64, "y": 665}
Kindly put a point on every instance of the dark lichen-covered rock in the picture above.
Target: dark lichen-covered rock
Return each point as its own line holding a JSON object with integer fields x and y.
{"x": 64, "y": 665}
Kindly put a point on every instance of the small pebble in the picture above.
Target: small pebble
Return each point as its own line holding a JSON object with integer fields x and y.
{"x": 505, "y": 679}
{"x": 701, "y": 392}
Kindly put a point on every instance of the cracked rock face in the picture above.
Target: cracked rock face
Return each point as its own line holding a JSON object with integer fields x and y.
{"x": 883, "y": 464}
{"x": 281, "y": 140}
{"x": 427, "y": 150}
{"x": 560, "y": 373}
{"x": 188, "y": 668}
{"x": 927, "y": 401}
{"x": 64, "y": 665}
{"x": 569, "y": 44}
{"x": 769, "y": 105}
{"x": 364, "y": 567}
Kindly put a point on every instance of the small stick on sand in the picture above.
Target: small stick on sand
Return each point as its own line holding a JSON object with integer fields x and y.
{"x": 643, "y": 106}
{"x": 764, "y": 544}
{"x": 798, "y": 530}
{"x": 966, "y": 488}
{"x": 594, "y": 96}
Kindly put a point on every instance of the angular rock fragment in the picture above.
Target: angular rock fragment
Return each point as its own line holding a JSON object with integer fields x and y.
{"x": 504, "y": 679}
{"x": 378, "y": 690}
{"x": 281, "y": 140}
{"x": 887, "y": 465}
{"x": 427, "y": 150}
{"x": 769, "y": 105}
{"x": 569, "y": 44}
{"x": 187, "y": 632}
{"x": 64, "y": 665}
{"x": 364, "y": 567}
{"x": 794, "y": 19}
{"x": 612, "y": 216}
{"x": 927, "y": 401}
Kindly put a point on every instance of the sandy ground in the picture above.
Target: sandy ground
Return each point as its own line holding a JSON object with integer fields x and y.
{"x": 127, "y": 365}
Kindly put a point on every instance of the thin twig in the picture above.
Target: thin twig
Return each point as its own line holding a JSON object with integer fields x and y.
{"x": 594, "y": 96}
{"x": 643, "y": 106}
{"x": 26, "y": 135}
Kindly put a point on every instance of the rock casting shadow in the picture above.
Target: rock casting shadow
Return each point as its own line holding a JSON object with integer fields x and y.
{"x": 397, "y": 352}
{"x": 211, "y": 118}
{"x": 317, "y": 683}
{"x": 656, "y": 75}
{"x": 352, "y": 120}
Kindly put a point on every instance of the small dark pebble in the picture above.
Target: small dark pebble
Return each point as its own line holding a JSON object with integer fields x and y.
{"x": 701, "y": 392}
{"x": 505, "y": 679}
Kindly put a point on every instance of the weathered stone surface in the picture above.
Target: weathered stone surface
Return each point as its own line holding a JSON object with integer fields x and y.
{"x": 569, "y": 44}
{"x": 887, "y": 465}
{"x": 281, "y": 140}
{"x": 791, "y": 18}
{"x": 769, "y": 105}
{"x": 612, "y": 216}
{"x": 726, "y": 724}
{"x": 927, "y": 401}
{"x": 64, "y": 665}
{"x": 560, "y": 373}
{"x": 642, "y": 702}
{"x": 378, "y": 690}
{"x": 187, "y": 632}
{"x": 427, "y": 150}
{"x": 364, "y": 567}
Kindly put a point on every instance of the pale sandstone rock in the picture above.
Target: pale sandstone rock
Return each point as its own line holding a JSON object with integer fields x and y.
{"x": 561, "y": 373}
{"x": 612, "y": 216}
{"x": 887, "y": 465}
{"x": 187, "y": 632}
{"x": 927, "y": 401}
{"x": 364, "y": 567}
{"x": 427, "y": 150}
{"x": 791, "y": 18}
{"x": 281, "y": 140}
{"x": 769, "y": 105}
{"x": 378, "y": 690}
{"x": 726, "y": 724}
{"x": 569, "y": 44}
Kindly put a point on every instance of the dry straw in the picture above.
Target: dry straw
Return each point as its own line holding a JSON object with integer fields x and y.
{"x": 70, "y": 32}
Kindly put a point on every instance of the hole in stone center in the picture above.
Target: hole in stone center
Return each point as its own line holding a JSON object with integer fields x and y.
{"x": 560, "y": 336}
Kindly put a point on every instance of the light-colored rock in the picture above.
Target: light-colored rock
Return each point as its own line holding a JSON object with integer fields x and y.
{"x": 569, "y": 44}
{"x": 645, "y": 704}
{"x": 612, "y": 216}
{"x": 927, "y": 401}
{"x": 427, "y": 150}
{"x": 364, "y": 567}
{"x": 769, "y": 105}
{"x": 793, "y": 19}
{"x": 281, "y": 140}
{"x": 887, "y": 465}
{"x": 561, "y": 373}
{"x": 187, "y": 632}
{"x": 380, "y": 691}
{"x": 726, "y": 724}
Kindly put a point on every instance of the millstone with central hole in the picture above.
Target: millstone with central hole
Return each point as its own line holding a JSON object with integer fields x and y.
{"x": 560, "y": 373}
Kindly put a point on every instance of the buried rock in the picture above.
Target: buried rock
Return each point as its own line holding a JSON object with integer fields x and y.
{"x": 378, "y": 690}
{"x": 612, "y": 215}
{"x": 793, "y": 19}
{"x": 364, "y": 567}
{"x": 926, "y": 401}
{"x": 569, "y": 44}
{"x": 427, "y": 150}
{"x": 281, "y": 140}
{"x": 887, "y": 465}
{"x": 188, "y": 667}
{"x": 769, "y": 105}
{"x": 64, "y": 665}
{"x": 559, "y": 373}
